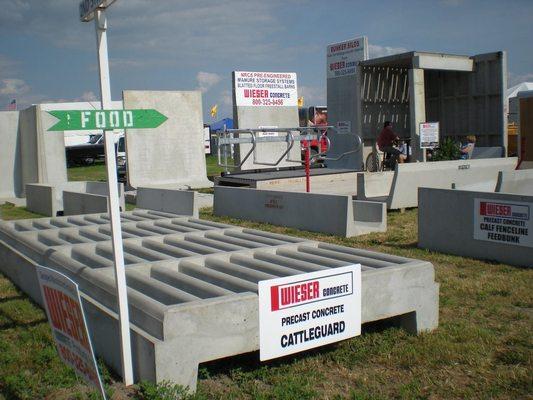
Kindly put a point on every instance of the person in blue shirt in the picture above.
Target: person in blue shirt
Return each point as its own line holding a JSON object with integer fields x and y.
{"x": 467, "y": 148}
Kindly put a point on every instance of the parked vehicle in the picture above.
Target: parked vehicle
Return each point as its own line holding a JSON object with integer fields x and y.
{"x": 314, "y": 116}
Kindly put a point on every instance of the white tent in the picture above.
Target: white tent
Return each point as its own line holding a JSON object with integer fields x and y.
{"x": 512, "y": 92}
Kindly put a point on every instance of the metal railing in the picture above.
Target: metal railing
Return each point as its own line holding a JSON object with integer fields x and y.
{"x": 227, "y": 138}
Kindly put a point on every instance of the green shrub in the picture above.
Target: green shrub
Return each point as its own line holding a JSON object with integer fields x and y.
{"x": 447, "y": 150}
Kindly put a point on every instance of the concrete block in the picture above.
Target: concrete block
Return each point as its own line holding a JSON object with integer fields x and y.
{"x": 173, "y": 153}
{"x": 47, "y": 199}
{"x": 333, "y": 214}
{"x": 75, "y": 203}
{"x": 181, "y": 202}
{"x": 10, "y": 163}
{"x": 409, "y": 177}
{"x": 515, "y": 182}
{"x": 487, "y": 152}
{"x": 192, "y": 284}
{"x": 450, "y": 229}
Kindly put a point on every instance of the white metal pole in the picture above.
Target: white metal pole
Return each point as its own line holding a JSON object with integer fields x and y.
{"x": 114, "y": 208}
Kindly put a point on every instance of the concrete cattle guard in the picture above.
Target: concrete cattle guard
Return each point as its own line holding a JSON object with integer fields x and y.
{"x": 74, "y": 120}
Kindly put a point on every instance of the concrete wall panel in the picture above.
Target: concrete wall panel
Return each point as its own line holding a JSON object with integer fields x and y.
{"x": 173, "y": 153}
{"x": 10, "y": 164}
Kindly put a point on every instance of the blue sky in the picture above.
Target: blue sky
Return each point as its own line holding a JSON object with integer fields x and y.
{"x": 48, "y": 55}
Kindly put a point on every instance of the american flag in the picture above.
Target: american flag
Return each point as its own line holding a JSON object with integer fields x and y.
{"x": 12, "y": 106}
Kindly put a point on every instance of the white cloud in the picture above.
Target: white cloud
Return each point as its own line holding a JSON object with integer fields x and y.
{"x": 313, "y": 95}
{"x": 376, "y": 51}
{"x": 514, "y": 79}
{"x": 13, "y": 87}
{"x": 206, "y": 80}
{"x": 88, "y": 96}
{"x": 226, "y": 98}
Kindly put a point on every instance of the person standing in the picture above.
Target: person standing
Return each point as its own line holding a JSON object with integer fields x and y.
{"x": 467, "y": 148}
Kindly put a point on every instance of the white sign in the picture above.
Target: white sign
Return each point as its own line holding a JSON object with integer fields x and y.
{"x": 88, "y": 7}
{"x": 342, "y": 58}
{"x": 62, "y": 303}
{"x": 300, "y": 312}
{"x": 505, "y": 222}
{"x": 267, "y": 133}
{"x": 344, "y": 127}
{"x": 266, "y": 89}
{"x": 207, "y": 140}
{"x": 429, "y": 135}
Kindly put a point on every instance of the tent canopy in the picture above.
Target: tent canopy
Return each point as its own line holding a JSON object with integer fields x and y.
{"x": 219, "y": 125}
{"x": 512, "y": 92}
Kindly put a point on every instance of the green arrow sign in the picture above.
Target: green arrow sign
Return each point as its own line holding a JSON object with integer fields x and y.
{"x": 76, "y": 120}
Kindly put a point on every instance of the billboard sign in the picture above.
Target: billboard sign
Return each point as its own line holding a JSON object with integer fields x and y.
{"x": 265, "y": 89}
{"x": 342, "y": 58}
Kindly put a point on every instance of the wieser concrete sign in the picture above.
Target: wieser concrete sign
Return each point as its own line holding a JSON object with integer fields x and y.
{"x": 62, "y": 303}
{"x": 262, "y": 99}
{"x": 342, "y": 57}
{"x": 501, "y": 221}
{"x": 301, "y": 312}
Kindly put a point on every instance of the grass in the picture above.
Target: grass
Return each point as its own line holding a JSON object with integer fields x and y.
{"x": 97, "y": 172}
{"x": 483, "y": 348}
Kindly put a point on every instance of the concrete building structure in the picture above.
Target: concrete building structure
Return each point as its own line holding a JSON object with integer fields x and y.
{"x": 465, "y": 94}
{"x": 192, "y": 284}
{"x": 171, "y": 155}
{"x": 325, "y": 213}
{"x": 447, "y": 223}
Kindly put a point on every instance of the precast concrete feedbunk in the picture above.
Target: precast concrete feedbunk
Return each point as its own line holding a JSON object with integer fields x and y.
{"x": 192, "y": 284}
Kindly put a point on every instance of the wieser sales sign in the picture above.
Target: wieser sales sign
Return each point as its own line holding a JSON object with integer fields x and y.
{"x": 300, "y": 312}
{"x": 503, "y": 222}
{"x": 266, "y": 89}
{"x": 62, "y": 303}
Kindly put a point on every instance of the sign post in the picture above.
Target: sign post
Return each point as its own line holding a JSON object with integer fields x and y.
{"x": 96, "y": 9}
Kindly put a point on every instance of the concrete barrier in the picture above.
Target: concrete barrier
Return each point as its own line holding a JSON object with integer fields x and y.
{"x": 333, "y": 214}
{"x": 487, "y": 152}
{"x": 75, "y": 203}
{"x": 455, "y": 222}
{"x": 192, "y": 284}
{"x": 47, "y": 199}
{"x": 409, "y": 177}
{"x": 516, "y": 182}
{"x": 181, "y": 202}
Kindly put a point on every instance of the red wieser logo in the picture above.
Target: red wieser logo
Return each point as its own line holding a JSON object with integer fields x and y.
{"x": 495, "y": 209}
{"x": 286, "y": 296}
